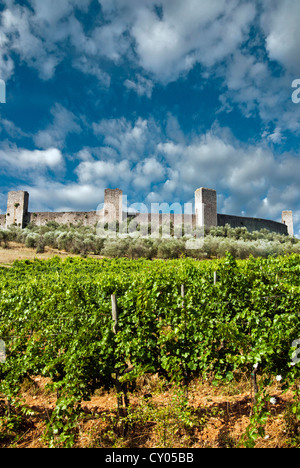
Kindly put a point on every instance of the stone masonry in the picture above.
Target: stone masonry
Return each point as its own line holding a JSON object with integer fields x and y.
{"x": 206, "y": 207}
{"x": 205, "y": 214}
{"x": 287, "y": 219}
{"x": 17, "y": 209}
{"x": 113, "y": 206}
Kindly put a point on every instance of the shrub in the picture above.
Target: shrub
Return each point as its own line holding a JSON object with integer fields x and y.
{"x": 170, "y": 248}
{"x": 3, "y": 238}
{"x": 83, "y": 240}
{"x": 115, "y": 247}
{"x": 32, "y": 240}
{"x": 141, "y": 248}
{"x": 40, "y": 246}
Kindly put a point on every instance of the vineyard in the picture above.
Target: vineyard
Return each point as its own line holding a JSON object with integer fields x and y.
{"x": 87, "y": 324}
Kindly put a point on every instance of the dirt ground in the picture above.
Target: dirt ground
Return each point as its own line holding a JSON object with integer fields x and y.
{"x": 17, "y": 251}
{"x": 222, "y": 415}
{"x": 20, "y": 252}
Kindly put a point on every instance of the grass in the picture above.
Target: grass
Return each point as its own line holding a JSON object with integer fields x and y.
{"x": 16, "y": 251}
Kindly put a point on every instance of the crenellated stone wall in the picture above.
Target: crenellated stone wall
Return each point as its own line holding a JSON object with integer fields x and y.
{"x": 205, "y": 214}
{"x": 113, "y": 206}
{"x": 206, "y": 207}
{"x": 252, "y": 224}
{"x": 90, "y": 218}
{"x": 17, "y": 209}
{"x": 287, "y": 219}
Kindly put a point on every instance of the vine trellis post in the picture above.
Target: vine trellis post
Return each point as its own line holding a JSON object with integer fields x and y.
{"x": 121, "y": 388}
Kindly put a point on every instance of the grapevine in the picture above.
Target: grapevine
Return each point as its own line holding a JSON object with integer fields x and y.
{"x": 56, "y": 321}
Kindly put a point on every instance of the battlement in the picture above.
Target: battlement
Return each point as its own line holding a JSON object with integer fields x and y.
{"x": 287, "y": 219}
{"x": 113, "y": 206}
{"x": 206, "y": 207}
{"x": 113, "y": 212}
{"x": 17, "y": 209}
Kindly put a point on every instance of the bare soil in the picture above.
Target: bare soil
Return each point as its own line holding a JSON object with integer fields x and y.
{"x": 20, "y": 252}
{"x": 222, "y": 416}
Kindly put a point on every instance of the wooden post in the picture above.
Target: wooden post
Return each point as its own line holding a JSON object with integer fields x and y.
{"x": 254, "y": 383}
{"x": 182, "y": 294}
{"x": 185, "y": 333}
{"x": 215, "y": 278}
{"x": 121, "y": 388}
{"x": 114, "y": 311}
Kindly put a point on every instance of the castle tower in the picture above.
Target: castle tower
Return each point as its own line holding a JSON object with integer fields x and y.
{"x": 17, "y": 209}
{"x": 113, "y": 205}
{"x": 287, "y": 219}
{"x": 206, "y": 207}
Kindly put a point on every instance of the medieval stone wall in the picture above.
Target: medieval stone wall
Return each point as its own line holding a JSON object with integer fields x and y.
{"x": 287, "y": 219}
{"x": 157, "y": 219}
{"x": 252, "y": 224}
{"x": 113, "y": 206}
{"x": 90, "y": 218}
{"x": 206, "y": 207}
{"x": 17, "y": 209}
{"x": 112, "y": 212}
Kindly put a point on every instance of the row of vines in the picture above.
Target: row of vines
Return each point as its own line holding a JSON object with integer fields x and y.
{"x": 56, "y": 321}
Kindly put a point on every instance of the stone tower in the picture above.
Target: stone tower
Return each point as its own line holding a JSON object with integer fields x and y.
{"x": 287, "y": 219}
{"x": 113, "y": 205}
{"x": 17, "y": 209}
{"x": 206, "y": 207}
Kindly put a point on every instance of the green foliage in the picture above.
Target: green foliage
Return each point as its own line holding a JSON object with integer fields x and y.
{"x": 174, "y": 420}
{"x": 85, "y": 240}
{"x": 55, "y": 319}
{"x": 258, "y": 420}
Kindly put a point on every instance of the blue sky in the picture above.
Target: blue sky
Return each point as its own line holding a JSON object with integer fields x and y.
{"x": 156, "y": 97}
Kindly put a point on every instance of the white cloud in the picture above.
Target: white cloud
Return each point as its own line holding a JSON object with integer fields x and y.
{"x": 89, "y": 67}
{"x": 143, "y": 86}
{"x": 49, "y": 195}
{"x": 275, "y": 136}
{"x": 189, "y": 32}
{"x": 64, "y": 123}
{"x": 11, "y": 129}
{"x": 37, "y": 33}
{"x": 3, "y": 203}
{"x": 249, "y": 179}
{"x": 130, "y": 140}
{"x": 251, "y": 86}
{"x": 167, "y": 45}
{"x": 111, "y": 172}
{"x": 22, "y": 40}
{"x": 166, "y": 38}
{"x": 280, "y": 22}
{"x": 156, "y": 166}
{"x": 163, "y": 40}
{"x": 138, "y": 177}
{"x": 147, "y": 172}
{"x": 49, "y": 12}
{"x": 248, "y": 173}
{"x": 22, "y": 161}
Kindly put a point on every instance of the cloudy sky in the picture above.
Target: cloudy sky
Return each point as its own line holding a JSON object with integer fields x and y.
{"x": 156, "y": 97}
